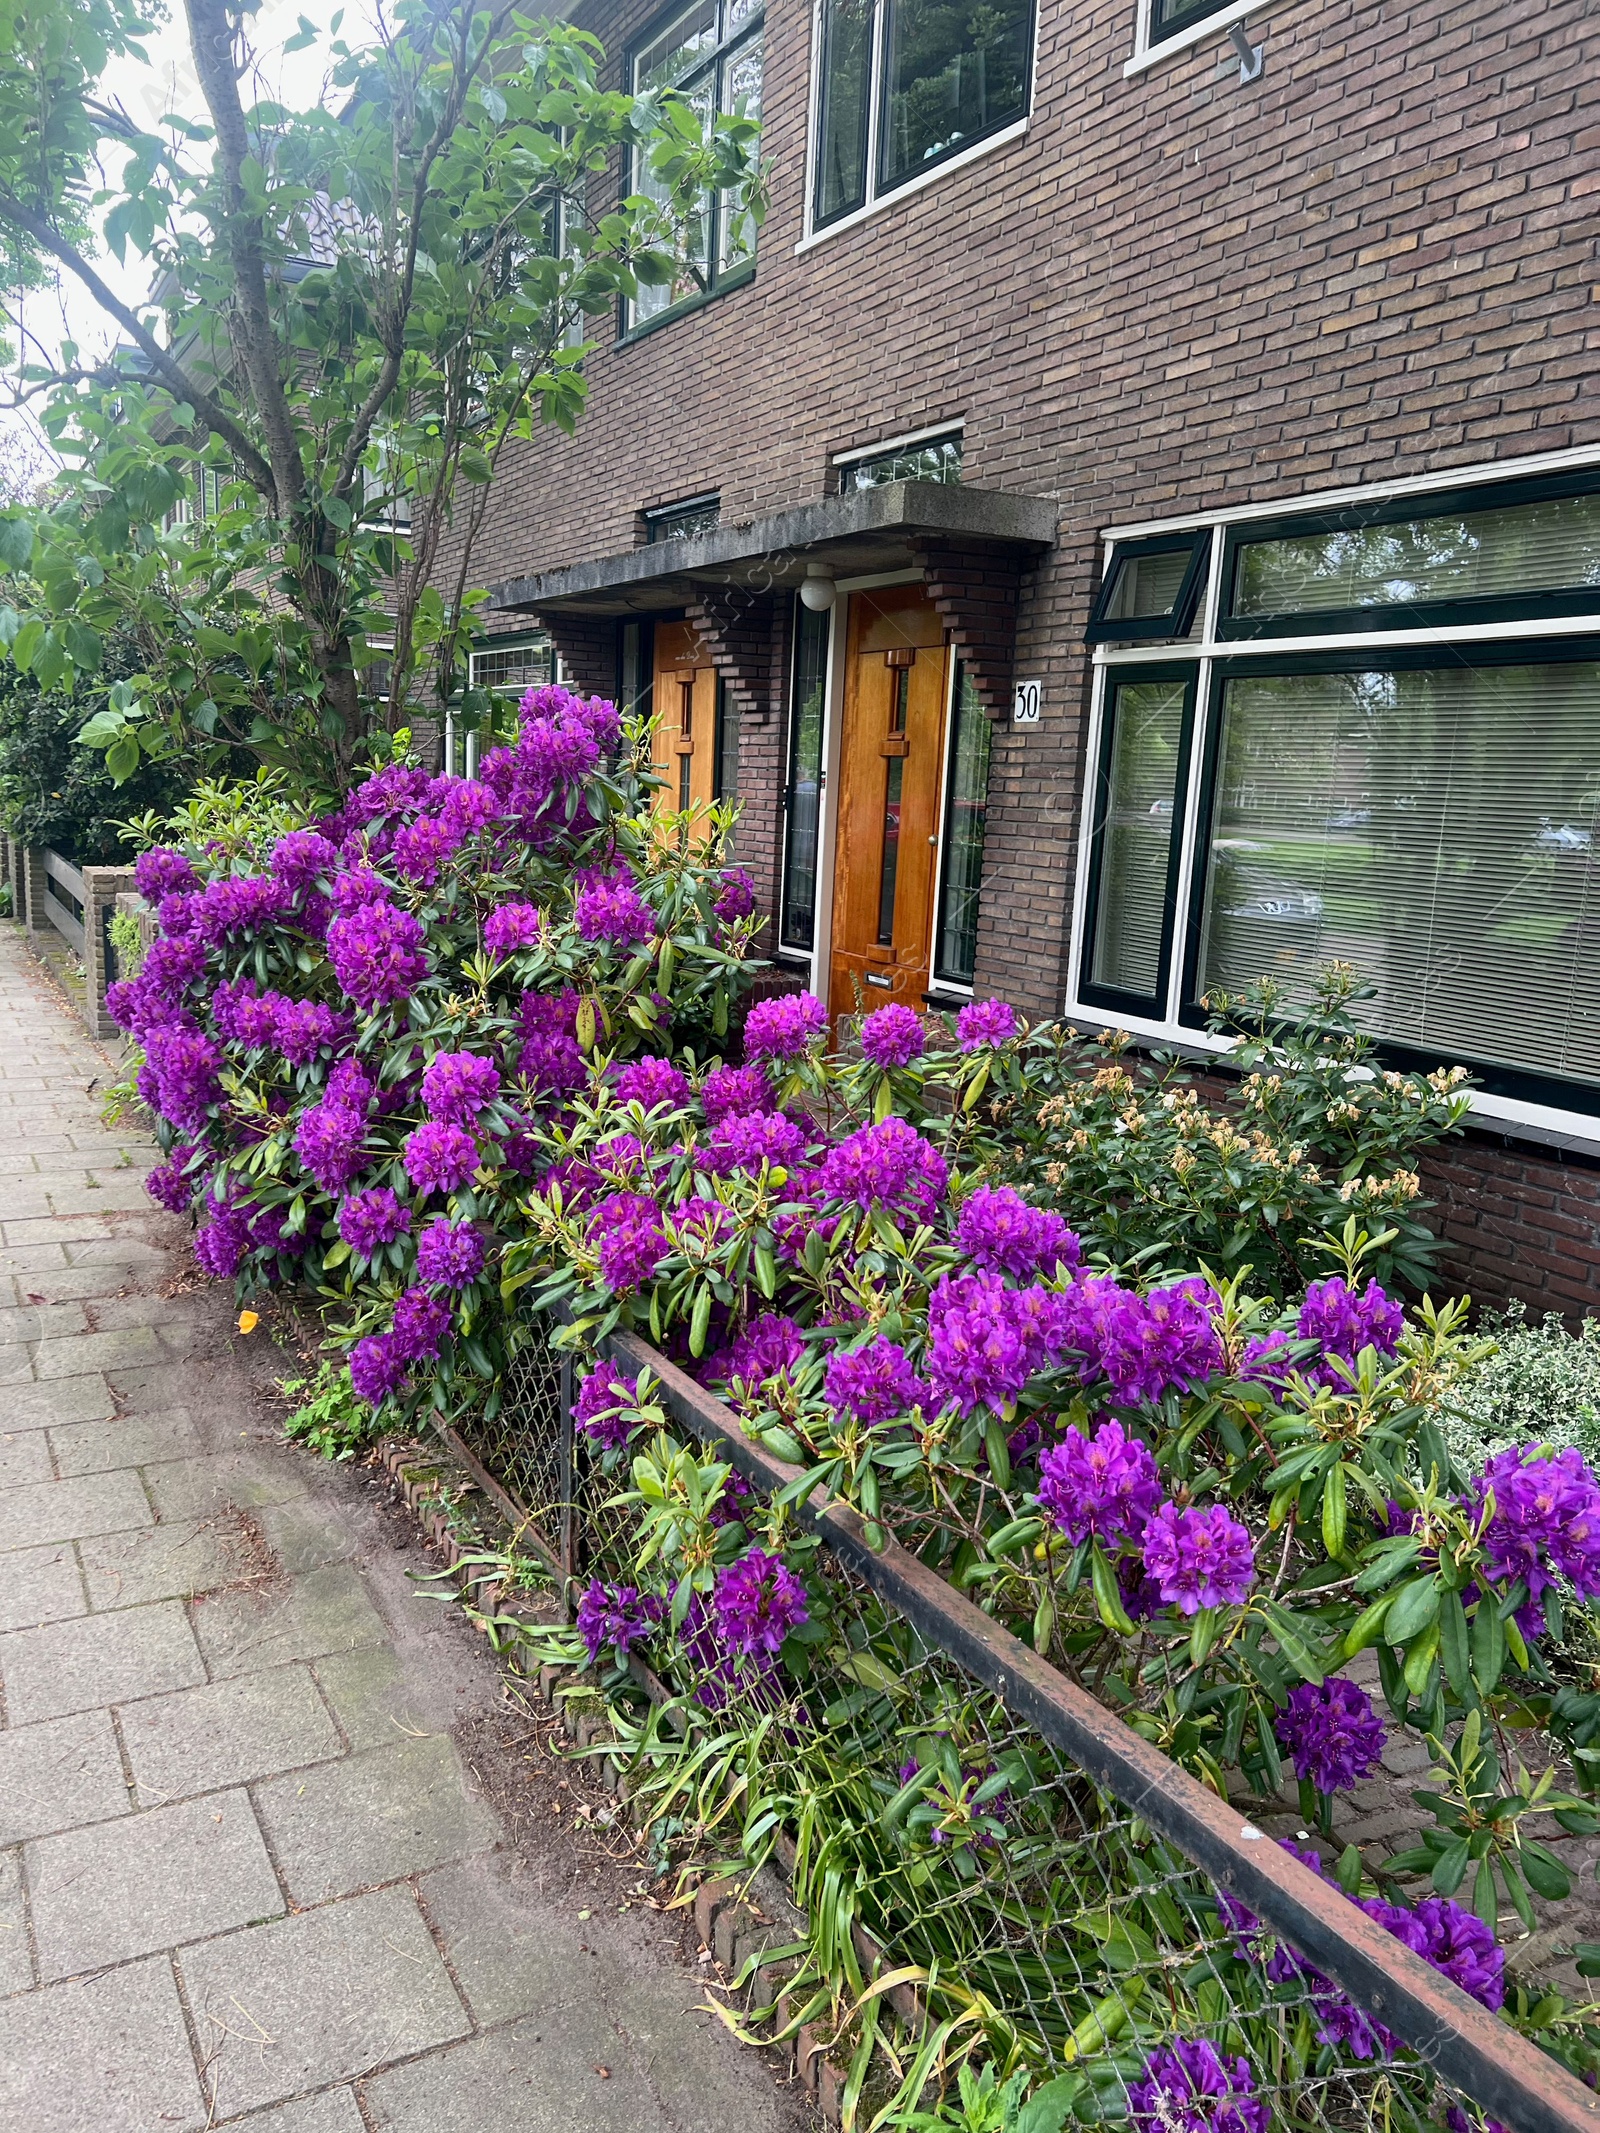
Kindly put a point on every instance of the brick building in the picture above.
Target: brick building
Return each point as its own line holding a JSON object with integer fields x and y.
{"x": 1184, "y": 417}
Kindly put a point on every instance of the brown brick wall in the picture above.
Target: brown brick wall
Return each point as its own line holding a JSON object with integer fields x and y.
{"x": 1520, "y": 1222}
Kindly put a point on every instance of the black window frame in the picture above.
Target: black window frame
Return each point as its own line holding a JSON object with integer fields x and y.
{"x": 661, "y": 521}
{"x": 822, "y": 620}
{"x": 1115, "y": 998}
{"x": 875, "y": 190}
{"x": 1559, "y": 1092}
{"x": 720, "y": 281}
{"x": 1184, "y": 18}
{"x": 940, "y": 977}
{"x": 847, "y": 469}
{"x": 1393, "y": 511}
{"x": 1178, "y": 619}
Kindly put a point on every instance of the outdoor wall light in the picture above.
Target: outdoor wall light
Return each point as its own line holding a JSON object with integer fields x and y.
{"x": 817, "y": 589}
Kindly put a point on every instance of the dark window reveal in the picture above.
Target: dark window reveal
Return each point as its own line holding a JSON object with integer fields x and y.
{"x": 966, "y": 804}
{"x": 803, "y": 798}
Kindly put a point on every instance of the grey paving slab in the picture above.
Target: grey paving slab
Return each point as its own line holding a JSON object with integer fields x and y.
{"x": 197, "y": 1555}
{"x": 373, "y": 1817}
{"x": 372, "y": 1696}
{"x": 302, "y": 1618}
{"x": 97, "y": 1659}
{"x": 226, "y": 1733}
{"x": 57, "y": 1229}
{"x": 24, "y": 1459}
{"x": 192, "y": 1487}
{"x": 104, "y": 2055}
{"x": 86, "y": 1398}
{"x": 59, "y": 1774}
{"x": 72, "y": 1355}
{"x": 39, "y": 1585}
{"x": 97, "y": 1447}
{"x": 334, "y": 2111}
{"x": 317, "y": 1998}
{"x": 16, "y": 1958}
{"x": 149, "y": 1881}
{"x": 305, "y": 1537}
{"x": 34, "y": 1322}
{"x": 510, "y": 1957}
{"x": 67, "y": 1510}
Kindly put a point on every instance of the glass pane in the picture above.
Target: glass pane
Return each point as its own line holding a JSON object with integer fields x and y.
{"x": 681, "y": 522}
{"x": 1136, "y": 840}
{"x": 937, "y": 460}
{"x": 514, "y": 667}
{"x": 1522, "y": 548}
{"x": 677, "y": 51}
{"x": 726, "y": 773}
{"x": 965, "y": 807}
{"x": 798, "y": 928}
{"x": 692, "y": 247}
{"x": 1147, "y": 586}
{"x": 1168, "y": 13}
{"x": 952, "y": 74}
{"x": 1437, "y": 828}
{"x": 741, "y": 93}
{"x": 842, "y": 117}
{"x": 888, "y": 880}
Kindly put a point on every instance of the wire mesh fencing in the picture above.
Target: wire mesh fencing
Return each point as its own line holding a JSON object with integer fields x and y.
{"x": 1036, "y": 1873}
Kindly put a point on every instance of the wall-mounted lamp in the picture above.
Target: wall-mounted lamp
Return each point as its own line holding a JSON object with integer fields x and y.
{"x": 817, "y": 589}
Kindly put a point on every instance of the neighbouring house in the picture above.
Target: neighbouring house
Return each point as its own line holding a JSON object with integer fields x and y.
{"x": 1129, "y": 522}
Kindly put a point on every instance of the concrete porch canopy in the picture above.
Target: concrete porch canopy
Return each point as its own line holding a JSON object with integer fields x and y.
{"x": 971, "y": 546}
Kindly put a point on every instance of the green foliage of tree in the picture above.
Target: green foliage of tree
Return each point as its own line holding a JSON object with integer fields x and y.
{"x": 356, "y": 310}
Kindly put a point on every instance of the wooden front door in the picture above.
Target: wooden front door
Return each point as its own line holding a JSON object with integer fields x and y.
{"x": 685, "y": 700}
{"x": 892, "y": 745}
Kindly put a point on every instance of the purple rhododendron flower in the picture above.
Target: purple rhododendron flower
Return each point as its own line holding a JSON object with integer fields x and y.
{"x": 615, "y": 1617}
{"x": 359, "y": 885}
{"x": 631, "y": 1241}
{"x": 350, "y": 1085}
{"x": 551, "y": 1059}
{"x": 420, "y": 1324}
{"x": 893, "y": 1037}
{"x": 1345, "y": 1322}
{"x": 470, "y": 807}
{"x": 738, "y": 895}
{"x": 244, "y": 1015}
{"x": 755, "y": 1137}
{"x": 162, "y": 872}
{"x": 238, "y": 906}
{"x": 1236, "y": 1918}
{"x": 985, "y": 1341}
{"x": 329, "y": 1142}
{"x": 1455, "y": 1940}
{"x": 303, "y": 1028}
{"x": 377, "y": 1369}
{"x": 222, "y": 1244}
{"x": 1144, "y": 1345}
{"x": 875, "y": 1383}
{"x": 457, "y": 1085}
{"x": 651, "y": 1081}
{"x": 512, "y": 926}
{"x": 731, "y": 1092}
{"x": 1188, "y": 2087}
{"x": 370, "y": 1220}
{"x": 377, "y": 954}
{"x": 450, "y": 1254}
{"x": 173, "y": 1184}
{"x": 1332, "y": 1732}
{"x": 1001, "y": 1233}
{"x": 984, "y": 1024}
{"x": 1103, "y": 1487}
{"x": 1546, "y": 1519}
{"x": 1199, "y": 1558}
{"x": 422, "y": 848}
{"x": 889, "y": 1164}
{"x": 610, "y": 909}
{"x": 782, "y": 1028}
{"x": 187, "y": 1071}
{"x": 302, "y": 858}
{"x": 439, "y": 1157}
{"x": 596, "y": 1410}
{"x": 769, "y": 1344}
{"x": 756, "y": 1602}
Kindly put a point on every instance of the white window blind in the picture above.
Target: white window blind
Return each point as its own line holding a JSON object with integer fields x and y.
{"x": 1136, "y": 837}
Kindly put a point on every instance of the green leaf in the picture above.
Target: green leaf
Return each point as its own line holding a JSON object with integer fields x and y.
{"x": 1333, "y": 1511}
{"x": 122, "y": 758}
{"x": 1450, "y": 1867}
{"x": 16, "y": 542}
{"x": 1544, "y": 1873}
{"x": 1488, "y": 1646}
{"x": 1415, "y": 1606}
{"x": 1107, "y": 1597}
{"x": 1455, "y": 1647}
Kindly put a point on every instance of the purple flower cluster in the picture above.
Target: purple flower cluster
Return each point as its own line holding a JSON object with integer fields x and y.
{"x": 631, "y": 1241}
{"x": 1546, "y": 1520}
{"x": 329, "y": 1141}
{"x": 597, "y": 1409}
{"x": 888, "y": 1165}
{"x": 163, "y": 872}
{"x": 737, "y": 898}
{"x": 239, "y": 906}
{"x": 1332, "y": 1732}
{"x": 769, "y": 1344}
{"x": 422, "y": 847}
{"x": 551, "y": 1060}
{"x": 984, "y": 1025}
{"x": 893, "y": 1037}
{"x": 377, "y": 954}
{"x": 875, "y": 1382}
{"x": 457, "y": 1085}
{"x": 303, "y": 858}
{"x": 450, "y": 1255}
{"x": 1199, "y": 1558}
{"x": 731, "y": 1092}
{"x": 756, "y": 1603}
{"x": 610, "y": 909}
{"x": 370, "y": 1220}
{"x": 757, "y": 1137}
{"x": 985, "y": 1341}
{"x": 651, "y": 1081}
{"x": 183, "y": 1071}
{"x": 421, "y": 1322}
{"x": 301, "y": 1029}
{"x": 1001, "y": 1234}
{"x": 174, "y": 1183}
{"x": 1188, "y": 2087}
{"x": 1102, "y": 1487}
{"x": 1144, "y": 1346}
{"x": 512, "y": 926}
{"x": 615, "y": 1618}
{"x": 439, "y": 1157}
{"x": 783, "y": 1028}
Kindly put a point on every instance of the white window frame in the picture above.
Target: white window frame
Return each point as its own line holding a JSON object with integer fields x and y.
{"x": 1204, "y": 646}
{"x": 1147, "y": 55}
{"x": 877, "y": 203}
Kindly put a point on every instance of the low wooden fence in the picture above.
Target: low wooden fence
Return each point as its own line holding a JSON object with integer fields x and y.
{"x": 58, "y": 902}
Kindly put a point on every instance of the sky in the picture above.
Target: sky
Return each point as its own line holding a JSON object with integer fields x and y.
{"x": 68, "y": 312}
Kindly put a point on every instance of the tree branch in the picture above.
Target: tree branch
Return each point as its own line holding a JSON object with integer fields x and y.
{"x": 171, "y": 372}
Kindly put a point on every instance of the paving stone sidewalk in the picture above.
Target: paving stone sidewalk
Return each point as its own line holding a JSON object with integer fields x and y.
{"x": 244, "y": 1880}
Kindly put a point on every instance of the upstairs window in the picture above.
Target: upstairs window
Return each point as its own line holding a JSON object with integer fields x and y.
{"x": 1151, "y": 589}
{"x": 910, "y": 459}
{"x": 681, "y": 521}
{"x": 511, "y": 669}
{"x": 1169, "y": 18}
{"x": 711, "y": 55}
{"x": 905, "y": 85}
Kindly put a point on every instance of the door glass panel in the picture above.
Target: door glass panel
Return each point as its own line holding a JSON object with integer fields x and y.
{"x": 965, "y": 808}
{"x": 842, "y": 116}
{"x": 952, "y": 73}
{"x": 1145, "y": 760}
{"x": 893, "y": 786}
{"x": 812, "y": 638}
{"x": 1439, "y": 829}
{"x": 1552, "y": 546}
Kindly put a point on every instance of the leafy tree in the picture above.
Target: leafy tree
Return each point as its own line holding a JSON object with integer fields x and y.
{"x": 355, "y": 310}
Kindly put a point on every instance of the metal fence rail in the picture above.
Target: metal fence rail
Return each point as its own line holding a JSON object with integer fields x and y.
{"x": 1100, "y": 1792}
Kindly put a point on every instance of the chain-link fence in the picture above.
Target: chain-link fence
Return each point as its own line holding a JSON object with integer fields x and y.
{"x": 1035, "y": 1871}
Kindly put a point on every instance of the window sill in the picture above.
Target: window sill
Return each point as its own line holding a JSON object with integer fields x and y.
{"x": 1184, "y": 40}
{"x": 725, "y": 286}
{"x": 886, "y": 201}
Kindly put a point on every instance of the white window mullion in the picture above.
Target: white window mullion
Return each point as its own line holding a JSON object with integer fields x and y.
{"x": 1189, "y": 833}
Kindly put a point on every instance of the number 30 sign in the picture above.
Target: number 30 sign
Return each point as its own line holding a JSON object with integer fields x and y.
{"x": 1026, "y": 703}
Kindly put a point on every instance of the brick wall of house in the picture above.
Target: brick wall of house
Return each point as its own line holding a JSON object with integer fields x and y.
{"x": 1520, "y": 1221}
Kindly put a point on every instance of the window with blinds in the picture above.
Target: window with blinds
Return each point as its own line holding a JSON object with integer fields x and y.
{"x": 1136, "y": 833}
{"x": 966, "y": 807}
{"x": 1436, "y": 826}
